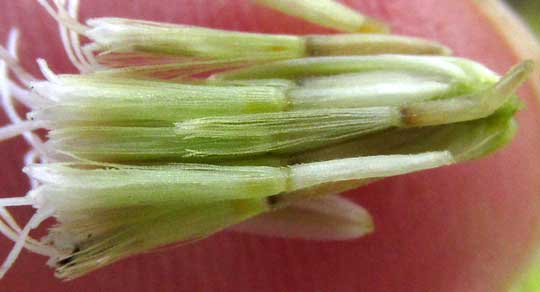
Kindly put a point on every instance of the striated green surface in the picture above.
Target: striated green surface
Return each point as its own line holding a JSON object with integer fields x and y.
{"x": 198, "y": 122}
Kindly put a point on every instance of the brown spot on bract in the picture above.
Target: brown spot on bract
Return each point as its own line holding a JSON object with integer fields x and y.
{"x": 408, "y": 117}
{"x": 273, "y": 200}
{"x": 277, "y": 48}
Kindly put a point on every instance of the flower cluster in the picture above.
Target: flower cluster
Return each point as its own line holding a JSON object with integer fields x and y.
{"x": 171, "y": 133}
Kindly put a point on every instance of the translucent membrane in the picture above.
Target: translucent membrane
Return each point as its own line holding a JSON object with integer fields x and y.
{"x": 325, "y": 218}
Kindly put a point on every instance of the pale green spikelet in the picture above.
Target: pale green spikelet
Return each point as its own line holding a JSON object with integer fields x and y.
{"x": 106, "y": 212}
{"x": 327, "y": 13}
{"x": 292, "y": 119}
{"x": 172, "y": 50}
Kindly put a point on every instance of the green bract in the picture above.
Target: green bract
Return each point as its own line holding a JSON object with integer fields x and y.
{"x": 327, "y": 13}
{"x": 184, "y": 49}
{"x": 326, "y": 101}
{"x": 107, "y": 212}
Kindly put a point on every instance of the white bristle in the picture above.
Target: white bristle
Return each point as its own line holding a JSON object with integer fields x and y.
{"x": 73, "y": 11}
{"x": 65, "y": 36}
{"x": 6, "y": 216}
{"x": 46, "y": 71}
{"x": 30, "y": 158}
{"x": 14, "y": 130}
{"x": 12, "y": 231}
{"x": 7, "y": 102}
{"x": 16, "y": 201}
{"x": 22, "y": 75}
{"x": 40, "y": 216}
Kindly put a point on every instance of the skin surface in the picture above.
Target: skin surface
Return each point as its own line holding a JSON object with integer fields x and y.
{"x": 469, "y": 227}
